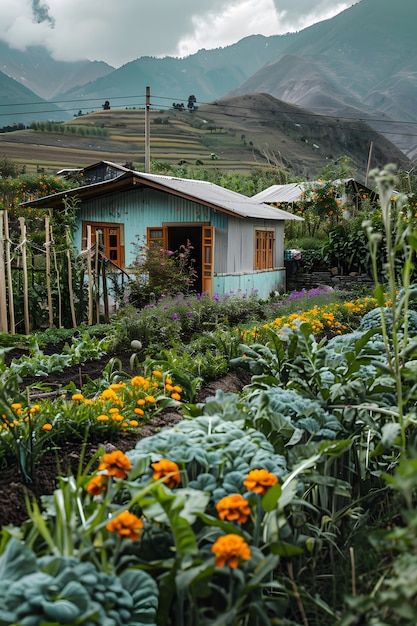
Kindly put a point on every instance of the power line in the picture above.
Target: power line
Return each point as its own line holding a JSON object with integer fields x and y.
{"x": 219, "y": 104}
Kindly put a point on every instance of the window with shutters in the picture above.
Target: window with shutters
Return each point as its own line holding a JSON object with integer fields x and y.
{"x": 264, "y": 249}
{"x": 111, "y": 238}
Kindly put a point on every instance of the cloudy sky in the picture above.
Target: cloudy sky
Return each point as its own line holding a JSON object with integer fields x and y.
{"x": 118, "y": 31}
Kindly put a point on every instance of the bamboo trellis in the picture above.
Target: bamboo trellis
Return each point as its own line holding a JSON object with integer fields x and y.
{"x": 17, "y": 273}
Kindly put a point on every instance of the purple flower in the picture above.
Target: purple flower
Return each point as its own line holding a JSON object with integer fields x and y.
{"x": 174, "y": 317}
{"x": 189, "y": 314}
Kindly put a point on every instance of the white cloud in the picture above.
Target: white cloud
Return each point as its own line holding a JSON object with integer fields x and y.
{"x": 118, "y": 31}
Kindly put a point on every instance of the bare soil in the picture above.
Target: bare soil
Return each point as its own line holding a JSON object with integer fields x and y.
{"x": 12, "y": 486}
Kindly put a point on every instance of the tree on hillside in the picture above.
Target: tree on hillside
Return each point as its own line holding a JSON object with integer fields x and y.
{"x": 106, "y": 106}
{"x": 191, "y": 103}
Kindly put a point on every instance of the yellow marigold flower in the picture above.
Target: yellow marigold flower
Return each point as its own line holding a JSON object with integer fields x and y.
{"x": 97, "y": 485}
{"x": 126, "y": 525}
{"x": 169, "y": 469}
{"x": 77, "y": 397}
{"x": 175, "y": 396}
{"x": 134, "y": 423}
{"x": 16, "y": 406}
{"x": 157, "y": 374}
{"x": 233, "y": 508}
{"x": 178, "y": 389}
{"x": 169, "y": 388}
{"x": 155, "y": 385}
{"x": 114, "y": 410}
{"x": 47, "y": 427}
{"x": 89, "y": 402}
{"x": 141, "y": 402}
{"x": 137, "y": 381}
{"x": 35, "y": 408}
{"x": 116, "y": 417}
{"x": 102, "y": 418}
{"x": 150, "y": 399}
{"x": 139, "y": 411}
{"x": 168, "y": 380}
{"x": 259, "y": 481}
{"x": 109, "y": 394}
{"x": 117, "y": 386}
{"x": 230, "y": 550}
{"x": 116, "y": 463}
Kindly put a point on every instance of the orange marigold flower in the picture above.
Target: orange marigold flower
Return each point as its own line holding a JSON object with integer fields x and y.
{"x": 233, "y": 508}
{"x": 77, "y": 397}
{"x": 259, "y": 481}
{"x": 139, "y": 411}
{"x": 47, "y": 427}
{"x": 97, "y": 485}
{"x": 116, "y": 463}
{"x": 169, "y": 469}
{"x": 229, "y": 549}
{"x": 109, "y": 394}
{"x": 126, "y": 525}
{"x": 175, "y": 396}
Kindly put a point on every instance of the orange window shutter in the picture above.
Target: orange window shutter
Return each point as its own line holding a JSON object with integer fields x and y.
{"x": 207, "y": 258}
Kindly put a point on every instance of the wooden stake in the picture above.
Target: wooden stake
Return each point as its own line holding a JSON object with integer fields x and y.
{"x": 90, "y": 277}
{"x": 9, "y": 274}
{"x": 25, "y": 275}
{"x": 70, "y": 289}
{"x": 3, "y": 299}
{"x": 97, "y": 276}
{"x": 58, "y": 282}
{"x": 48, "y": 272}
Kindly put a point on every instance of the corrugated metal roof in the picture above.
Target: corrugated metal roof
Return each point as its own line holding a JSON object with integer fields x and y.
{"x": 209, "y": 193}
{"x": 293, "y": 191}
{"x": 200, "y": 191}
{"x": 281, "y": 193}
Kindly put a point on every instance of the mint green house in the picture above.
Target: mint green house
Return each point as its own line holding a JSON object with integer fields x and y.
{"x": 238, "y": 241}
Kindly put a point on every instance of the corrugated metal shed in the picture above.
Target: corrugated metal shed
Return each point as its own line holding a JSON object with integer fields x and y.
{"x": 293, "y": 191}
{"x": 281, "y": 193}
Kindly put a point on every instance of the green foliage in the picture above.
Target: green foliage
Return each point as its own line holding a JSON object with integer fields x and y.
{"x": 161, "y": 273}
{"x": 63, "y": 590}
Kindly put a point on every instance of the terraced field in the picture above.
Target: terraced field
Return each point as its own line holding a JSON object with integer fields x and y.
{"x": 236, "y": 136}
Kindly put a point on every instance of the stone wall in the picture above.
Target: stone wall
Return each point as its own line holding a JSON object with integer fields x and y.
{"x": 296, "y": 282}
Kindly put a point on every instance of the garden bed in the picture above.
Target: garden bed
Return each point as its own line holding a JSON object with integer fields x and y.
{"x": 68, "y": 457}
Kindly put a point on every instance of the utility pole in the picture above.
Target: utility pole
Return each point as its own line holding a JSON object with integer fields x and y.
{"x": 147, "y": 132}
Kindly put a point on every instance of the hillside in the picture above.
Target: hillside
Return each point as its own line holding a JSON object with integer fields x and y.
{"x": 238, "y": 135}
{"x": 44, "y": 76}
{"x": 360, "y": 64}
{"x": 19, "y": 105}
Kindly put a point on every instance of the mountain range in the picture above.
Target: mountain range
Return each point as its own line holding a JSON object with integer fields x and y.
{"x": 359, "y": 65}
